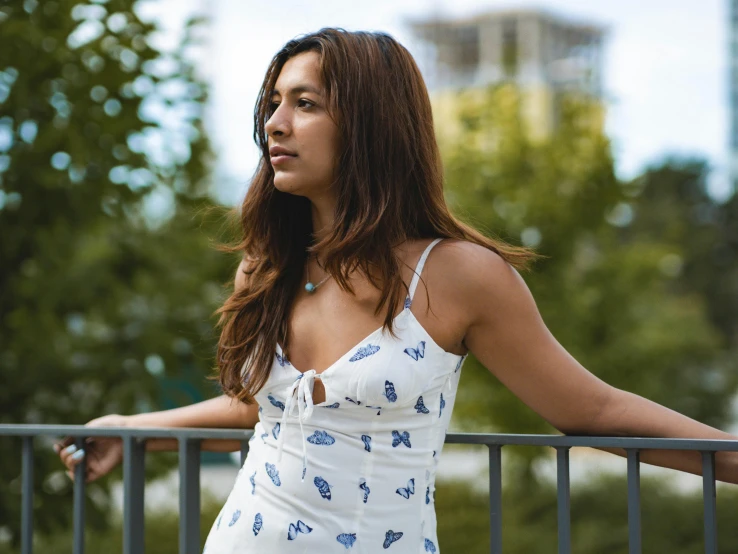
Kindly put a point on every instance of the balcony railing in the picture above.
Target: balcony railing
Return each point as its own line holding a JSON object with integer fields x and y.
{"x": 189, "y": 473}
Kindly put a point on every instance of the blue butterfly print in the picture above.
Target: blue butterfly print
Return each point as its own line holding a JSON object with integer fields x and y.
{"x": 323, "y": 487}
{"x": 434, "y": 453}
{"x": 405, "y": 492}
{"x": 391, "y": 537}
{"x": 363, "y": 352}
{"x": 429, "y": 546}
{"x": 321, "y": 437}
{"x": 253, "y": 483}
{"x": 282, "y": 360}
{"x": 407, "y": 302}
{"x": 443, "y": 405}
{"x": 427, "y": 495}
{"x": 347, "y": 539}
{"x": 378, "y": 408}
{"x": 363, "y": 486}
{"x": 357, "y": 402}
{"x": 273, "y": 473}
{"x": 217, "y": 525}
{"x": 261, "y": 409}
{"x": 334, "y": 405}
{"x": 275, "y": 431}
{"x": 461, "y": 361}
{"x": 420, "y": 407}
{"x": 276, "y": 402}
{"x": 389, "y": 391}
{"x": 295, "y": 528}
{"x": 416, "y": 353}
{"x": 367, "y": 442}
{"x": 234, "y": 518}
{"x": 257, "y": 524}
{"x": 403, "y": 438}
{"x": 263, "y": 436}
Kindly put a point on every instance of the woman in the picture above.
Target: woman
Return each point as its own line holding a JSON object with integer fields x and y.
{"x": 346, "y": 374}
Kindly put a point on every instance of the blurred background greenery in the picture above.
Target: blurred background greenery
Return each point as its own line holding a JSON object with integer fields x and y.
{"x": 108, "y": 276}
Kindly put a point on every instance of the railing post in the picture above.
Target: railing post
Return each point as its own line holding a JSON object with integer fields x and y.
{"x": 244, "y": 451}
{"x": 133, "y": 495}
{"x": 189, "y": 496}
{"x": 80, "y": 474}
{"x": 634, "y": 501}
{"x": 27, "y": 502}
{"x": 563, "y": 500}
{"x": 495, "y": 498}
{"x": 709, "y": 499}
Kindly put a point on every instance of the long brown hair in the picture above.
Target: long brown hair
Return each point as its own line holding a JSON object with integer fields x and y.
{"x": 389, "y": 189}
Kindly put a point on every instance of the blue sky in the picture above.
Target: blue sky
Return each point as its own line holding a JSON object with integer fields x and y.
{"x": 665, "y": 68}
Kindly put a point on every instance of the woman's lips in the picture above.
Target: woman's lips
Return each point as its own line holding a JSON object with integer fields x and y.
{"x": 281, "y": 159}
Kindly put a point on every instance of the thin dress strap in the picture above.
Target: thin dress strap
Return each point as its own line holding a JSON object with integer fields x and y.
{"x": 419, "y": 268}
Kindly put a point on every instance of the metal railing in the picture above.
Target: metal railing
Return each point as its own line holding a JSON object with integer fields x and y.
{"x": 189, "y": 474}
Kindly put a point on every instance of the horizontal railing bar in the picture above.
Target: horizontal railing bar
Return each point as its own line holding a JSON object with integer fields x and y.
{"x": 489, "y": 439}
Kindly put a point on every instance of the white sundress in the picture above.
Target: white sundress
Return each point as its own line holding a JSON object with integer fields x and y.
{"x": 354, "y": 473}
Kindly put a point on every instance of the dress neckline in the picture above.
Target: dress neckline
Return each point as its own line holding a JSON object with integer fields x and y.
{"x": 336, "y": 364}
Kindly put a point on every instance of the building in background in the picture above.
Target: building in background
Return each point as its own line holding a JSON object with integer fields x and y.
{"x": 546, "y": 55}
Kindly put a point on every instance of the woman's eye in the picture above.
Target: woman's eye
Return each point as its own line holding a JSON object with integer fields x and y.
{"x": 274, "y": 105}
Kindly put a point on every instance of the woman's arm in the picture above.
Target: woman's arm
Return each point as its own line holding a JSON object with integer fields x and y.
{"x": 507, "y": 335}
{"x": 220, "y": 412}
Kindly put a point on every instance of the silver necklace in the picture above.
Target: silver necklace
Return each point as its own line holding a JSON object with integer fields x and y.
{"x": 310, "y": 287}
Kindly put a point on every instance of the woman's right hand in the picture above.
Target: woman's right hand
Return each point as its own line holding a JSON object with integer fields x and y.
{"x": 102, "y": 454}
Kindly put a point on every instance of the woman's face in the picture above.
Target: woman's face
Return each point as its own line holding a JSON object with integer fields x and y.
{"x": 301, "y": 124}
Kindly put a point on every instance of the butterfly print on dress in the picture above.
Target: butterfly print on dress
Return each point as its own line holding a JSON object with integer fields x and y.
{"x": 253, "y": 483}
{"x": 276, "y": 402}
{"x": 273, "y": 473}
{"x": 389, "y": 391}
{"x": 257, "y": 524}
{"x": 442, "y": 406}
{"x": 357, "y": 402}
{"x": 420, "y": 406}
{"x": 321, "y": 437}
{"x": 363, "y": 486}
{"x": 367, "y": 442}
{"x": 416, "y": 353}
{"x": 283, "y": 361}
{"x": 323, "y": 487}
{"x": 275, "y": 431}
{"x": 347, "y": 539}
{"x": 364, "y": 352}
{"x": 427, "y": 495}
{"x": 263, "y": 436}
{"x": 391, "y": 537}
{"x": 334, "y": 405}
{"x": 429, "y": 546}
{"x": 405, "y": 492}
{"x": 295, "y": 528}
{"x": 403, "y": 438}
{"x": 234, "y": 518}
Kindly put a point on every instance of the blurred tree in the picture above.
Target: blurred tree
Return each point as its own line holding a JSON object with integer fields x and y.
{"x": 107, "y": 275}
{"x": 606, "y": 294}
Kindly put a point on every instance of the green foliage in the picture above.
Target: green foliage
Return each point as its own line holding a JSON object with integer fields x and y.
{"x": 606, "y": 291}
{"x": 108, "y": 278}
